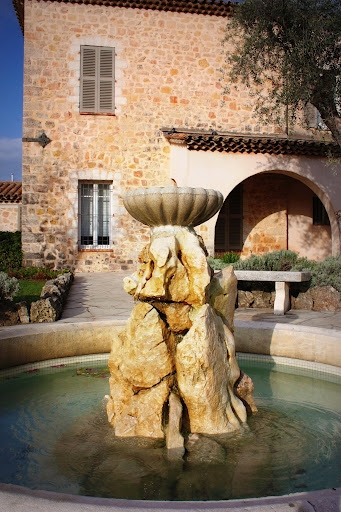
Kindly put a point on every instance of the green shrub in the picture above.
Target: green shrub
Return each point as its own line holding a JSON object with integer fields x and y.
{"x": 10, "y": 251}
{"x": 221, "y": 261}
{"x": 216, "y": 263}
{"x": 9, "y": 286}
{"x": 323, "y": 273}
{"x": 276, "y": 261}
{"x": 37, "y": 273}
{"x": 230, "y": 257}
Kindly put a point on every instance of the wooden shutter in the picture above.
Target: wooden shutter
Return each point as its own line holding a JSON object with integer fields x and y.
{"x": 320, "y": 215}
{"x": 235, "y": 215}
{"x": 221, "y": 233}
{"x": 97, "y": 79}
{"x": 229, "y": 226}
{"x": 106, "y": 80}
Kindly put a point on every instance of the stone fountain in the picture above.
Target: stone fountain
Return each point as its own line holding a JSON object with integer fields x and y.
{"x": 173, "y": 371}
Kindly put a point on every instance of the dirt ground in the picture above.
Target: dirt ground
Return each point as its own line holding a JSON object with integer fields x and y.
{"x": 8, "y": 313}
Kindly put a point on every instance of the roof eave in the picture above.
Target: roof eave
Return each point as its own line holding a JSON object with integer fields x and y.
{"x": 229, "y": 142}
{"x": 208, "y": 7}
{"x": 19, "y": 11}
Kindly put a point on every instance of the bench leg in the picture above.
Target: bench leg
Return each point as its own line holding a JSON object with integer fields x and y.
{"x": 282, "y": 299}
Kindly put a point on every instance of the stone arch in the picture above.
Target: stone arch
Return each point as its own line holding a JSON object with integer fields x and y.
{"x": 278, "y": 233}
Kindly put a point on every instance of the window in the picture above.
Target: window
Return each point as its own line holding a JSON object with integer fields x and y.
{"x": 95, "y": 215}
{"x": 320, "y": 216}
{"x": 97, "y": 80}
{"x": 229, "y": 226}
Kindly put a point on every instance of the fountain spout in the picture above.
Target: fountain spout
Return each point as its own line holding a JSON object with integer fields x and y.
{"x": 176, "y": 358}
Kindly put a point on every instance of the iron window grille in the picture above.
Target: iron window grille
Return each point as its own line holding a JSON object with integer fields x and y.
{"x": 95, "y": 215}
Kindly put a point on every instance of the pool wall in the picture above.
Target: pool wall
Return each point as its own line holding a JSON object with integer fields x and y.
{"x": 38, "y": 342}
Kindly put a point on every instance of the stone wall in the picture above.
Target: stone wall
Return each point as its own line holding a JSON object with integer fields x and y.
{"x": 278, "y": 214}
{"x": 10, "y": 217}
{"x": 49, "y": 307}
{"x": 265, "y": 214}
{"x": 166, "y": 75}
{"x": 318, "y": 298}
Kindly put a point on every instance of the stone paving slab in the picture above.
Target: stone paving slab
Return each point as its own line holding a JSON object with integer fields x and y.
{"x": 100, "y": 296}
{"x": 322, "y": 319}
{"x": 97, "y": 296}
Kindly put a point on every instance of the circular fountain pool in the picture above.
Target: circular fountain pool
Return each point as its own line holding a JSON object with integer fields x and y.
{"x": 55, "y": 436}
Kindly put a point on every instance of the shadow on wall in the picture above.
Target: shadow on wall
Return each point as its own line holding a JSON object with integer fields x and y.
{"x": 318, "y": 177}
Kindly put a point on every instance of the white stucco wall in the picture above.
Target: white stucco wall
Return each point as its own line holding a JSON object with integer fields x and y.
{"x": 223, "y": 171}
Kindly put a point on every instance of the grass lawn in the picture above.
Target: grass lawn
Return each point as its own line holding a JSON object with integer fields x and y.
{"x": 29, "y": 291}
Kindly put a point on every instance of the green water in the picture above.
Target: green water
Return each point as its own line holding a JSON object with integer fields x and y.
{"x": 54, "y": 435}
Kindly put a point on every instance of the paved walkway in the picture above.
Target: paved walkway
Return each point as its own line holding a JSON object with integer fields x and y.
{"x": 97, "y": 296}
{"x": 100, "y": 296}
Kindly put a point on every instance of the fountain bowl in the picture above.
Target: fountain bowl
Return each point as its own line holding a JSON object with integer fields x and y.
{"x": 176, "y": 206}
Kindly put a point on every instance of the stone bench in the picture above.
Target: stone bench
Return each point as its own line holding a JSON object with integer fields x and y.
{"x": 281, "y": 279}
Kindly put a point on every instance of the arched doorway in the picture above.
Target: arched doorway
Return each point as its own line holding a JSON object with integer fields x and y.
{"x": 273, "y": 211}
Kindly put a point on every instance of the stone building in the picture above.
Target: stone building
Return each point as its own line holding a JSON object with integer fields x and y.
{"x": 126, "y": 94}
{"x": 10, "y": 205}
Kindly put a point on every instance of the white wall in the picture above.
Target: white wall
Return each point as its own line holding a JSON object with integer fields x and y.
{"x": 223, "y": 171}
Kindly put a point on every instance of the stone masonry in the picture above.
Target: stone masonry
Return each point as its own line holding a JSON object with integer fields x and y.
{"x": 10, "y": 217}
{"x": 166, "y": 75}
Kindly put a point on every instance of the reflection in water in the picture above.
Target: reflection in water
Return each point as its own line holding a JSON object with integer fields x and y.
{"x": 55, "y": 436}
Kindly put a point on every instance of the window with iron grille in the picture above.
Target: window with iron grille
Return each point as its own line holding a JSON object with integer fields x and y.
{"x": 95, "y": 215}
{"x": 97, "y": 80}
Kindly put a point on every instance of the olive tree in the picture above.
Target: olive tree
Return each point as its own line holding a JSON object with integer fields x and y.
{"x": 288, "y": 53}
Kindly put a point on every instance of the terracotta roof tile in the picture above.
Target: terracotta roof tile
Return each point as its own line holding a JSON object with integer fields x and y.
{"x": 239, "y": 143}
{"x": 10, "y": 192}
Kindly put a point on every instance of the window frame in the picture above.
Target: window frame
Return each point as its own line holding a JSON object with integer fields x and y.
{"x": 320, "y": 215}
{"x": 93, "y": 224}
{"x": 97, "y": 80}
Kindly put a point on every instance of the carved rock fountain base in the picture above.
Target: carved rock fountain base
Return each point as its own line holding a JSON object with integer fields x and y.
{"x": 173, "y": 369}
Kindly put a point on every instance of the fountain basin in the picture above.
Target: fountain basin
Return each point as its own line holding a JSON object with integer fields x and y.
{"x": 176, "y": 206}
{"x": 278, "y": 453}
{"x": 37, "y": 341}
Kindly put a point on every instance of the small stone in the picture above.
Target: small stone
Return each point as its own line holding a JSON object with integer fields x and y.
{"x": 23, "y": 313}
{"x": 244, "y": 388}
{"x": 245, "y": 299}
{"x": 174, "y": 439}
{"x": 326, "y": 298}
{"x": 45, "y": 310}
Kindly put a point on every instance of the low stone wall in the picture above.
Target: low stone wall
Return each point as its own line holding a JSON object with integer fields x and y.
{"x": 319, "y": 298}
{"x": 52, "y": 298}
